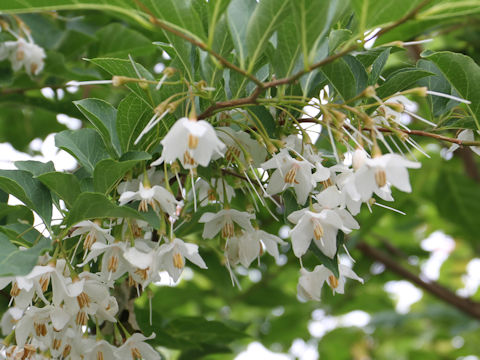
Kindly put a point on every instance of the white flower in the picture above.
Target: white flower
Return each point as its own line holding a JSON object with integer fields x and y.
{"x": 94, "y": 233}
{"x": 389, "y": 169}
{"x": 192, "y": 142}
{"x": 25, "y": 54}
{"x": 290, "y": 172}
{"x": 208, "y": 193}
{"x": 113, "y": 263}
{"x": 223, "y": 220}
{"x": 136, "y": 348}
{"x": 237, "y": 141}
{"x": 152, "y": 196}
{"x": 101, "y": 350}
{"x": 247, "y": 247}
{"x": 465, "y": 135}
{"x": 321, "y": 227}
{"x": 310, "y": 283}
{"x": 171, "y": 256}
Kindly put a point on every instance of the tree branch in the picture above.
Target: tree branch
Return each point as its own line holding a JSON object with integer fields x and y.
{"x": 463, "y": 304}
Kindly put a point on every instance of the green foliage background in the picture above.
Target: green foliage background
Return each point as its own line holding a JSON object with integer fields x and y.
{"x": 205, "y": 317}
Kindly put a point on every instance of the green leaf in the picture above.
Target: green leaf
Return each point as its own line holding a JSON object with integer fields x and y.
{"x": 122, "y": 67}
{"x": 286, "y": 59}
{"x": 341, "y": 77}
{"x": 64, "y": 185}
{"x": 239, "y": 13}
{"x": 265, "y": 19}
{"x": 372, "y": 14}
{"x": 467, "y": 122}
{"x": 133, "y": 115}
{"x": 312, "y": 19}
{"x": 358, "y": 71}
{"x": 108, "y": 172}
{"x": 116, "y": 40}
{"x": 438, "y": 82}
{"x": 180, "y": 15}
{"x": 103, "y": 117}
{"x": 259, "y": 113}
{"x": 14, "y": 213}
{"x": 16, "y": 262}
{"x": 90, "y": 205}
{"x": 86, "y": 145}
{"x": 30, "y": 191}
{"x": 458, "y": 200}
{"x": 401, "y": 80}
{"x": 464, "y": 76}
{"x": 378, "y": 65}
{"x": 35, "y": 167}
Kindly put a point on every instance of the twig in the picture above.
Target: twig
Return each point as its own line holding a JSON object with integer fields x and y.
{"x": 465, "y": 305}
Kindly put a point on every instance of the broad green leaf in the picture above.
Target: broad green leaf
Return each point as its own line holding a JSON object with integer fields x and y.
{"x": 15, "y": 213}
{"x": 464, "y": 76}
{"x": 103, "y": 117}
{"x": 286, "y": 59}
{"x": 64, "y": 185}
{"x": 358, "y": 71}
{"x": 132, "y": 117}
{"x": 122, "y": 67}
{"x": 377, "y": 66}
{"x": 125, "y": 8}
{"x": 438, "y": 82}
{"x": 467, "y": 122}
{"x": 30, "y": 191}
{"x": 371, "y": 14}
{"x": 117, "y": 40}
{"x": 91, "y": 205}
{"x": 266, "y": 18}
{"x": 108, "y": 172}
{"x": 180, "y": 15}
{"x": 239, "y": 13}
{"x": 337, "y": 38}
{"x": 340, "y": 75}
{"x": 401, "y": 80}
{"x": 35, "y": 167}
{"x": 312, "y": 19}
{"x": 259, "y": 113}
{"x": 458, "y": 200}
{"x": 16, "y": 262}
{"x": 86, "y": 145}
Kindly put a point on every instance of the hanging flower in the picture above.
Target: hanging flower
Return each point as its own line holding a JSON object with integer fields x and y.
{"x": 192, "y": 142}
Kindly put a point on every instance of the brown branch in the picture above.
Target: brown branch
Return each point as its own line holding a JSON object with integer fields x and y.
{"x": 463, "y": 304}
{"x": 195, "y": 42}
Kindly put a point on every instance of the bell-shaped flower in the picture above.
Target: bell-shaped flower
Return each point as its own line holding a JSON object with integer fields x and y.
{"x": 92, "y": 233}
{"x": 224, "y": 221}
{"x": 25, "y": 54}
{"x": 249, "y": 246}
{"x": 320, "y": 227}
{"x": 192, "y": 142}
{"x": 310, "y": 283}
{"x": 143, "y": 268}
{"x": 215, "y": 192}
{"x": 465, "y": 135}
{"x": 34, "y": 323}
{"x": 171, "y": 256}
{"x": 151, "y": 196}
{"x": 113, "y": 263}
{"x": 290, "y": 172}
{"x": 239, "y": 141}
{"x": 9, "y": 319}
{"x": 101, "y": 349}
{"x": 136, "y": 348}
{"x": 376, "y": 173}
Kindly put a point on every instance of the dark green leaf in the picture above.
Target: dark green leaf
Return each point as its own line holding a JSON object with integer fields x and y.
{"x": 108, "y": 172}
{"x": 401, "y": 80}
{"x": 86, "y": 145}
{"x": 35, "y": 167}
{"x": 103, "y": 117}
{"x": 29, "y": 190}
{"x": 14, "y": 261}
{"x": 64, "y": 185}
{"x": 341, "y": 77}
